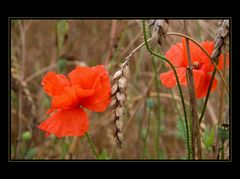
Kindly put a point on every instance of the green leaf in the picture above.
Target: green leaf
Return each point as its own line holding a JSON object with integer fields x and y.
{"x": 30, "y": 153}
{"x": 104, "y": 155}
{"x": 208, "y": 138}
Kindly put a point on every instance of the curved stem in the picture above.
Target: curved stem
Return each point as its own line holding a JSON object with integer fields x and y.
{"x": 92, "y": 145}
{"x": 208, "y": 92}
{"x": 206, "y": 100}
{"x": 199, "y": 45}
{"x": 178, "y": 83}
{"x": 131, "y": 54}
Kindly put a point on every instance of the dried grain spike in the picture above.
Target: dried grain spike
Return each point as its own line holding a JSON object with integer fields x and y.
{"x": 119, "y": 111}
{"x": 114, "y": 102}
{"x": 122, "y": 82}
{"x": 220, "y": 39}
{"x": 160, "y": 28}
{"x": 114, "y": 89}
{"x": 117, "y": 74}
{"x": 118, "y": 99}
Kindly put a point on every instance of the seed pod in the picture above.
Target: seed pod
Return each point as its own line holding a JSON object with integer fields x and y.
{"x": 159, "y": 30}
{"x": 122, "y": 82}
{"x": 221, "y": 37}
{"x": 114, "y": 117}
{"x": 119, "y": 111}
{"x": 126, "y": 71}
{"x": 114, "y": 102}
{"x": 114, "y": 89}
{"x": 120, "y": 97}
{"x": 218, "y": 43}
{"x": 119, "y": 124}
{"x": 117, "y": 74}
{"x": 120, "y": 136}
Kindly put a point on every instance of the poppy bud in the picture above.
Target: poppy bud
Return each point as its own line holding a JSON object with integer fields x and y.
{"x": 26, "y": 136}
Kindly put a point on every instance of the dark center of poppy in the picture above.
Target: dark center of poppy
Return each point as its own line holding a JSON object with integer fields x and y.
{"x": 196, "y": 65}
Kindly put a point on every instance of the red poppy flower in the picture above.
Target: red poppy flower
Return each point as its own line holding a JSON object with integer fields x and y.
{"x": 85, "y": 87}
{"x": 201, "y": 65}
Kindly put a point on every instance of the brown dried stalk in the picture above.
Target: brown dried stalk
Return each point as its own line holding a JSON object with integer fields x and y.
{"x": 193, "y": 105}
{"x": 220, "y": 40}
{"x": 22, "y": 29}
{"x": 16, "y": 85}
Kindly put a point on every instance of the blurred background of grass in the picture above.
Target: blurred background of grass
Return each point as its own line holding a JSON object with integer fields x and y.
{"x": 59, "y": 45}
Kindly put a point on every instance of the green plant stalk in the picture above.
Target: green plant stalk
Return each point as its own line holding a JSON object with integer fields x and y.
{"x": 92, "y": 145}
{"x": 208, "y": 93}
{"x": 178, "y": 111}
{"x": 178, "y": 83}
{"x": 158, "y": 106}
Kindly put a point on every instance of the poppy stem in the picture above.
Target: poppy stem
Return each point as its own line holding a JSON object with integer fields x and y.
{"x": 158, "y": 106}
{"x": 213, "y": 62}
{"x": 178, "y": 83}
{"x": 208, "y": 93}
{"x": 92, "y": 145}
{"x": 206, "y": 100}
